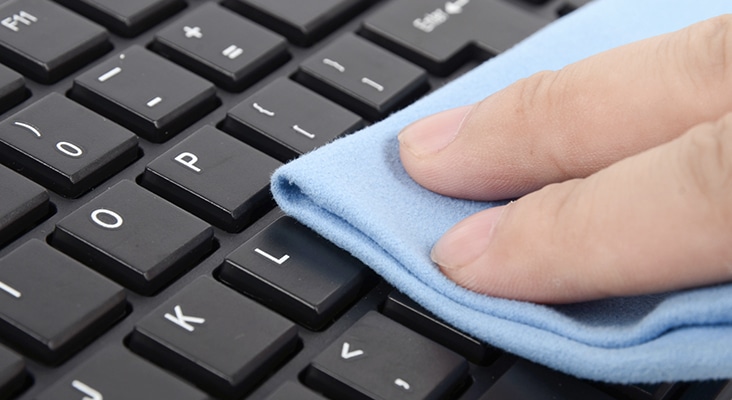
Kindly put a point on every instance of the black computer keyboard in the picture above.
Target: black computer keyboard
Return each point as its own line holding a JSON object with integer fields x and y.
{"x": 142, "y": 256}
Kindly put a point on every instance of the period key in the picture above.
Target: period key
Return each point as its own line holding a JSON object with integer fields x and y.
{"x": 379, "y": 359}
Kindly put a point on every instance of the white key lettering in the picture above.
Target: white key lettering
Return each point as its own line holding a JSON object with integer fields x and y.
{"x": 69, "y": 149}
{"x": 95, "y": 216}
{"x": 189, "y": 160}
{"x": 183, "y": 320}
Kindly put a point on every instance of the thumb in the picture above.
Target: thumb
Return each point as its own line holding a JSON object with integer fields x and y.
{"x": 657, "y": 221}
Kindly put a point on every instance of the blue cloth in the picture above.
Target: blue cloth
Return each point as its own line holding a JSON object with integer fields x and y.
{"x": 355, "y": 193}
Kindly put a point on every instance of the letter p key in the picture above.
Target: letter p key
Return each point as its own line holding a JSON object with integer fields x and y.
{"x": 188, "y": 160}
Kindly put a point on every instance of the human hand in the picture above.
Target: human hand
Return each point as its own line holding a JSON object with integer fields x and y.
{"x": 624, "y": 162}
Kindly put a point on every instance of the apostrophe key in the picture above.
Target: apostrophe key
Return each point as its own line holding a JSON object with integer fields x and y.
{"x": 64, "y": 146}
{"x": 215, "y": 177}
{"x": 363, "y": 77}
{"x": 30, "y": 41}
{"x": 134, "y": 237}
{"x": 50, "y": 305}
{"x": 286, "y": 120}
{"x": 146, "y": 93}
{"x": 296, "y": 272}
{"x": 128, "y": 17}
{"x": 215, "y": 337}
{"x": 116, "y": 373}
{"x": 441, "y": 35}
{"x": 221, "y": 46}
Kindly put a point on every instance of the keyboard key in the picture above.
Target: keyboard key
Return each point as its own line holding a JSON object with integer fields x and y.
{"x": 378, "y": 358}
{"x": 115, "y": 373}
{"x": 221, "y": 46}
{"x": 215, "y": 337}
{"x": 440, "y": 36}
{"x": 134, "y": 237}
{"x": 525, "y": 380}
{"x": 297, "y": 273}
{"x": 146, "y": 93}
{"x": 216, "y": 177}
{"x": 22, "y": 204}
{"x": 50, "y": 305}
{"x": 404, "y": 310}
{"x": 128, "y": 17}
{"x": 292, "y": 390}
{"x": 286, "y": 120}
{"x": 12, "y": 88}
{"x": 64, "y": 146}
{"x": 363, "y": 77}
{"x": 303, "y": 22}
{"x": 12, "y": 372}
{"x": 31, "y": 43}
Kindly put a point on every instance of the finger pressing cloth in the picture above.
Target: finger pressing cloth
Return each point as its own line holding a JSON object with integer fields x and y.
{"x": 355, "y": 193}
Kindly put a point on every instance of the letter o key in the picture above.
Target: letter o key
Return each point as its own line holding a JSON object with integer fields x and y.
{"x": 103, "y": 211}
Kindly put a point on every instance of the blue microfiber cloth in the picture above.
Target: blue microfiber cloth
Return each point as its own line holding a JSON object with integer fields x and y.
{"x": 355, "y": 193}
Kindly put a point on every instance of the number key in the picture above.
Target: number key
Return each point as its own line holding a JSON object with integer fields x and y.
{"x": 64, "y": 146}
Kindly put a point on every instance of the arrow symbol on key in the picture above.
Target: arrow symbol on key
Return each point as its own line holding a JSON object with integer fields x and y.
{"x": 346, "y": 352}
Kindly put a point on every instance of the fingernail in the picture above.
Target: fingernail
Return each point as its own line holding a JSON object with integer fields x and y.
{"x": 431, "y": 134}
{"x": 464, "y": 242}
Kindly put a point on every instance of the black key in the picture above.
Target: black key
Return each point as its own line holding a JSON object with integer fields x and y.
{"x": 215, "y": 337}
{"x": 380, "y": 359}
{"x": 115, "y": 373}
{"x": 50, "y": 305}
{"x": 525, "y": 380}
{"x": 363, "y": 77}
{"x": 655, "y": 391}
{"x": 291, "y": 390}
{"x": 286, "y": 120}
{"x": 710, "y": 390}
{"x": 134, "y": 237}
{"x": 221, "y": 46}
{"x": 441, "y": 35}
{"x": 128, "y": 17}
{"x": 410, "y": 314}
{"x": 292, "y": 270}
{"x": 12, "y": 373}
{"x": 304, "y": 21}
{"x": 216, "y": 177}
{"x": 64, "y": 146}
{"x": 22, "y": 204}
{"x": 146, "y": 93}
{"x": 12, "y": 88}
{"x": 30, "y": 41}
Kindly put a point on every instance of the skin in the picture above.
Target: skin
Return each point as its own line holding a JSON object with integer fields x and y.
{"x": 622, "y": 163}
